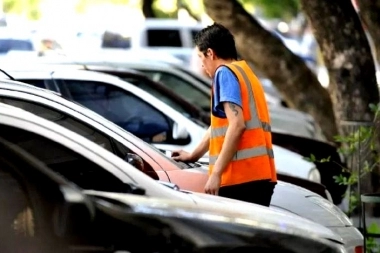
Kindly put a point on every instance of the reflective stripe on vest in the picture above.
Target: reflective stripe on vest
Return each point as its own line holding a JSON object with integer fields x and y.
{"x": 254, "y": 122}
{"x": 246, "y": 153}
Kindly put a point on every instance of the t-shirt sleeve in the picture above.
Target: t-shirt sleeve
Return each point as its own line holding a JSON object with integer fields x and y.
{"x": 226, "y": 89}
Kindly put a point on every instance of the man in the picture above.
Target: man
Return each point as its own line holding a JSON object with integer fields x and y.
{"x": 239, "y": 139}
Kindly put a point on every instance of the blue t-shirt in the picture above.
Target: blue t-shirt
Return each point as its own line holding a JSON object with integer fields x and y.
{"x": 226, "y": 89}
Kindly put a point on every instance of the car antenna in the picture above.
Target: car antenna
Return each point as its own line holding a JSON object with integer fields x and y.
{"x": 8, "y": 75}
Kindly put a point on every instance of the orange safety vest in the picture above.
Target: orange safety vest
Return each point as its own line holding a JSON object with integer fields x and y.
{"x": 254, "y": 159}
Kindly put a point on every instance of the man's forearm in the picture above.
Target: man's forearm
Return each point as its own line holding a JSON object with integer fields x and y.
{"x": 230, "y": 145}
{"x": 203, "y": 146}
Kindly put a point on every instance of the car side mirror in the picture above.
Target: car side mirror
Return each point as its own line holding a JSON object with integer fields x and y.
{"x": 74, "y": 215}
{"x": 179, "y": 131}
{"x": 135, "y": 160}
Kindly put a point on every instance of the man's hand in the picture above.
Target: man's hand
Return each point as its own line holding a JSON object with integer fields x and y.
{"x": 182, "y": 156}
{"x": 213, "y": 184}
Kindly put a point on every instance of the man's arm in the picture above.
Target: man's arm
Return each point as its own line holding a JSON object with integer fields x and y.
{"x": 236, "y": 127}
{"x": 202, "y": 147}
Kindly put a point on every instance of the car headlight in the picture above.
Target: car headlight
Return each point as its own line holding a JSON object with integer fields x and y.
{"x": 314, "y": 175}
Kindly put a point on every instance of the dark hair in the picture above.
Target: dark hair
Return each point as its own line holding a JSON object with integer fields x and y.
{"x": 217, "y": 38}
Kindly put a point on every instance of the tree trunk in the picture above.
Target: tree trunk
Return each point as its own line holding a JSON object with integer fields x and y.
{"x": 370, "y": 14}
{"x": 147, "y": 9}
{"x": 347, "y": 55}
{"x": 348, "y": 59}
{"x": 288, "y": 72}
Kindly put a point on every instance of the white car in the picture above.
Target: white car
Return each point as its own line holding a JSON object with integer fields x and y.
{"x": 196, "y": 89}
{"x": 164, "y": 33}
{"x": 148, "y": 118}
{"x": 98, "y": 171}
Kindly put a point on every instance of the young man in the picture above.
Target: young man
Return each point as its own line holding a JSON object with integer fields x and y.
{"x": 239, "y": 139}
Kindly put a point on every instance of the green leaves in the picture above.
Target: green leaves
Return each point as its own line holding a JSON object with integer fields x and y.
{"x": 30, "y": 7}
{"x": 284, "y": 9}
{"x": 313, "y": 159}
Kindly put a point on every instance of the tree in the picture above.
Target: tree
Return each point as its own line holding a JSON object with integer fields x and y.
{"x": 287, "y": 71}
{"x": 347, "y": 56}
{"x": 348, "y": 59}
{"x": 370, "y": 13}
{"x": 284, "y": 9}
{"x": 31, "y": 8}
{"x": 147, "y": 8}
{"x": 81, "y": 5}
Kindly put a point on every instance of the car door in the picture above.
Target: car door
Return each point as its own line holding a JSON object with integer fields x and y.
{"x": 60, "y": 117}
{"x": 25, "y": 204}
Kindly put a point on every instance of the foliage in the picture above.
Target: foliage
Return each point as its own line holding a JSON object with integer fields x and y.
{"x": 352, "y": 146}
{"x": 284, "y": 9}
{"x": 30, "y": 8}
{"x": 161, "y": 13}
{"x": 372, "y": 245}
{"x": 82, "y": 4}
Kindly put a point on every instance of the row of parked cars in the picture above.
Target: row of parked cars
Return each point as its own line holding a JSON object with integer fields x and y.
{"x": 172, "y": 106}
{"x": 91, "y": 149}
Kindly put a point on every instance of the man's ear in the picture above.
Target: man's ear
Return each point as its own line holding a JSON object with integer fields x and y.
{"x": 210, "y": 53}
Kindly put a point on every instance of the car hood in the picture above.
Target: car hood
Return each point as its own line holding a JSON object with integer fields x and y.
{"x": 219, "y": 208}
{"x": 271, "y": 215}
{"x": 300, "y": 201}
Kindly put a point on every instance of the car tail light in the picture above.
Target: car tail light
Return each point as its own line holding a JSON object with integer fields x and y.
{"x": 359, "y": 249}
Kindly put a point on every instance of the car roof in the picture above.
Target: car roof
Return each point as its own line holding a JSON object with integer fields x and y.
{"x": 119, "y": 55}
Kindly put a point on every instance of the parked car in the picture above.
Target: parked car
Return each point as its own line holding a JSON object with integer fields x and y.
{"x": 149, "y": 118}
{"x": 176, "y": 175}
{"x": 62, "y": 218}
{"x": 83, "y": 121}
{"x": 284, "y": 121}
{"x": 157, "y": 89}
{"x": 196, "y": 90}
{"x": 98, "y": 171}
{"x": 164, "y": 33}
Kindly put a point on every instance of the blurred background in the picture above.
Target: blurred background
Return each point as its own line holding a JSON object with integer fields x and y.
{"x": 52, "y": 26}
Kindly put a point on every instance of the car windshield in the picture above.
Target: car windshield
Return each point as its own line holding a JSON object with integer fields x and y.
{"x": 199, "y": 78}
{"x": 158, "y": 94}
{"x": 143, "y": 145}
{"x": 182, "y": 87}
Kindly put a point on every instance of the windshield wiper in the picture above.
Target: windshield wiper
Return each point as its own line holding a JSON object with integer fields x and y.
{"x": 8, "y": 75}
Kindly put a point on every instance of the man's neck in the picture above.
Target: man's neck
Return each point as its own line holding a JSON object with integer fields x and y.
{"x": 221, "y": 62}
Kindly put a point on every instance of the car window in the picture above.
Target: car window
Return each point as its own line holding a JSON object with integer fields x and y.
{"x": 148, "y": 87}
{"x": 78, "y": 127}
{"x": 7, "y": 45}
{"x": 35, "y": 82}
{"x": 64, "y": 161}
{"x": 183, "y": 88}
{"x": 122, "y": 108}
{"x": 163, "y": 38}
{"x": 63, "y": 120}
